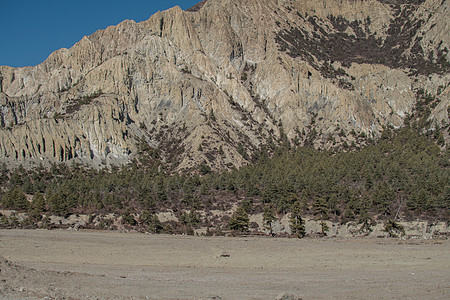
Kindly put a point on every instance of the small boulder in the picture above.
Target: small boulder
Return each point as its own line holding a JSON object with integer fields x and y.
{"x": 287, "y": 296}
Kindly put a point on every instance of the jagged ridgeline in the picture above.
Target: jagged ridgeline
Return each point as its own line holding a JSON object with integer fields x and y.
{"x": 214, "y": 85}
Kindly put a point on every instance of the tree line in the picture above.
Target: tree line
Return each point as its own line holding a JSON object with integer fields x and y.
{"x": 404, "y": 175}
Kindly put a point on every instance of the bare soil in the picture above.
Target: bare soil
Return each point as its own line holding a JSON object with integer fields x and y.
{"x": 99, "y": 265}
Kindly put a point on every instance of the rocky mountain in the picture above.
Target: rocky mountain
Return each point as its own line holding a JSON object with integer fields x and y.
{"x": 226, "y": 78}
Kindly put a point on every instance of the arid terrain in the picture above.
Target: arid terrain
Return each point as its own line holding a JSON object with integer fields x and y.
{"x": 99, "y": 265}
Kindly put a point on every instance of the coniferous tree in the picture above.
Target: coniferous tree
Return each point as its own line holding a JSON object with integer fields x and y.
{"x": 296, "y": 222}
{"x": 383, "y": 197}
{"x": 239, "y": 221}
{"x": 38, "y": 203}
{"x": 394, "y": 229}
{"x": 321, "y": 208}
{"x": 366, "y": 223}
{"x": 15, "y": 199}
{"x": 269, "y": 218}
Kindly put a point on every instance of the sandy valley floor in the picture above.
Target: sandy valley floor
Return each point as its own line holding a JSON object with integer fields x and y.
{"x": 98, "y": 265}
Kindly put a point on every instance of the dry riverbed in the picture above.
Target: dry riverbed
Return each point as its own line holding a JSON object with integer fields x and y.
{"x": 99, "y": 265}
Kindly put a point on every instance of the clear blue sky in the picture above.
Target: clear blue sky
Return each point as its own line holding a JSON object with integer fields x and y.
{"x": 32, "y": 29}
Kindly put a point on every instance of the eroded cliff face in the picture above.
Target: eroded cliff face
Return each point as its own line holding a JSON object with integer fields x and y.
{"x": 219, "y": 81}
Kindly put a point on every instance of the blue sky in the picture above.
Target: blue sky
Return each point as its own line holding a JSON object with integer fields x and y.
{"x": 31, "y": 30}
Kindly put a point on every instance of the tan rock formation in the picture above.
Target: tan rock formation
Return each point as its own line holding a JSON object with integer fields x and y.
{"x": 215, "y": 83}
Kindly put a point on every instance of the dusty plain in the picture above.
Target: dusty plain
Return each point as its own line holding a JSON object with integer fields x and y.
{"x": 65, "y": 264}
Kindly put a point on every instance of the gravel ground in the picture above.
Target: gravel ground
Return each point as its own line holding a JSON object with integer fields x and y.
{"x": 111, "y": 265}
